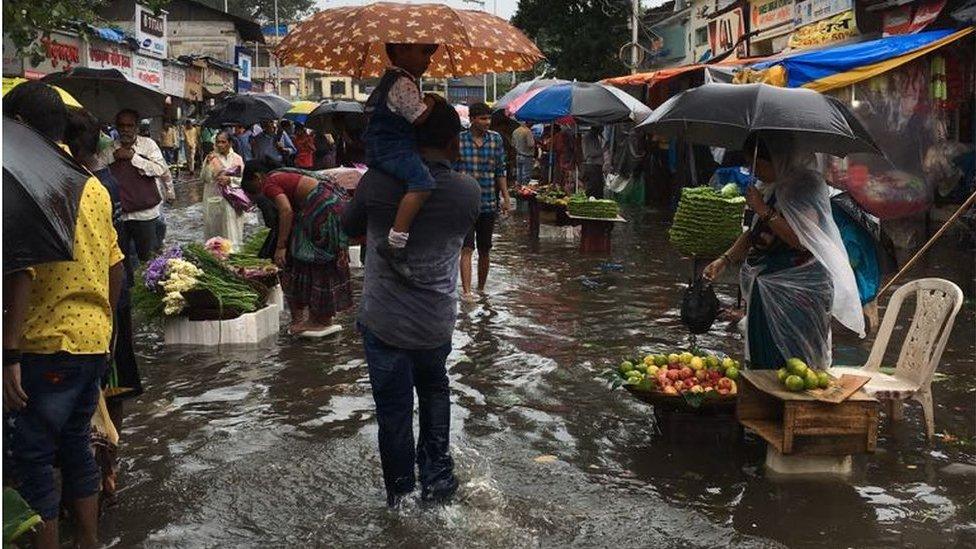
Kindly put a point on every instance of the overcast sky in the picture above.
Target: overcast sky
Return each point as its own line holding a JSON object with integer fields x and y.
{"x": 506, "y": 8}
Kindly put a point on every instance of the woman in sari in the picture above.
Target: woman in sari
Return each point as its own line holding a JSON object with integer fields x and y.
{"x": 311, "y": 249}
{"x": 795, "y": 273}
{"x": 223, "y": 167}
{"x": 304, "y": 141}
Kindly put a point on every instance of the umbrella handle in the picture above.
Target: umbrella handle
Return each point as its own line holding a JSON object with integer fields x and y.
{"x": 945, "y": 227}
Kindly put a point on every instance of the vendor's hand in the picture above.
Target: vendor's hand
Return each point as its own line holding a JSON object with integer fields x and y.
{"x": 754, "y": 199}
{"x": 14, "y": 397}
{"x": 123, "y": 154}
{"x": 281, "y": 257}
{"x": 506, "y": 207}
{"x": 715, "y": 269}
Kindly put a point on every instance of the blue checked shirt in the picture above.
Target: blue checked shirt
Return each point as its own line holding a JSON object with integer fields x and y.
{"x": 485, "y": 164}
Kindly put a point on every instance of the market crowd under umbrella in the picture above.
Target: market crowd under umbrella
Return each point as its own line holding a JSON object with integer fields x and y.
{"x": 42, "y": 187}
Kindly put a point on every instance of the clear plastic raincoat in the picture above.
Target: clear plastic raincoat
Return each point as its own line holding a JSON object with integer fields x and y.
{"x": 795, "y": 292}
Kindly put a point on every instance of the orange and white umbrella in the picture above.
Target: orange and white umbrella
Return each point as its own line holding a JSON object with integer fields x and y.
{"x": 350, "y": 41}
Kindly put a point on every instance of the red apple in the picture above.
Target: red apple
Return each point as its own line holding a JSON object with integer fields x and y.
{"x": 686, "y": 372}
{"x": 701, "y": 375}
{"x": 723, "y": 391}
{"x": 674, "y": 375}
{"x": 724, "y": 383}
{"x": 670, "y": 390}
{"x": 715, "y": 375}
{"x": 679, "y": 385}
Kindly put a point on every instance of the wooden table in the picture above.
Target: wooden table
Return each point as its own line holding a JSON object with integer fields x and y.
{"x": 595, "y": 232}
{"x": 799, "y": 424}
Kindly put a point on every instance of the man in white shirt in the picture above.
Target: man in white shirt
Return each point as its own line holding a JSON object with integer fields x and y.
{"x": 144, "y": 180}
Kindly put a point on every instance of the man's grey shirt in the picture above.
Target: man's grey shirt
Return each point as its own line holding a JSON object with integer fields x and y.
{"x": 422, "y": 315}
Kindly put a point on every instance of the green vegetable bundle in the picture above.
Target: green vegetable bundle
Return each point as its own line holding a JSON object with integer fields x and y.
{"x": 230, "y": 289}
{"x": 606, "y": 209}
{"x": 706, "y": 222}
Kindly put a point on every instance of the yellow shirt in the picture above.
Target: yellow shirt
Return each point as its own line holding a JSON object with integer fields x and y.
{"x": 69, "y": 306}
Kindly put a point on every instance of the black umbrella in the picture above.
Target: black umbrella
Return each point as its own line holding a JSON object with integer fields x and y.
{"x": 330, "y": 114}
{"x": 333, "y": 107}
{"x": 248, "y": 109}
{"x": 725, "y": 115}
{"x": 105, "y": 92}
{"x": 42, "y": 188}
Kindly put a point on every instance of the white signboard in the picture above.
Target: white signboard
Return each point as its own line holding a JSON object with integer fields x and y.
{"x": 148, "y": 72}
{"x": 771, "y": 17}
{"x": 810, "y": 11}
{"x": 105, "y": 55}
{"x": 245, "y": 63}
{"x": 174, "y": 80}
{"x": 151, "y": 31}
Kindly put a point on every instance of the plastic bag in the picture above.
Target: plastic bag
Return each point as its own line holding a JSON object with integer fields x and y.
{"x": 699, "y": 306}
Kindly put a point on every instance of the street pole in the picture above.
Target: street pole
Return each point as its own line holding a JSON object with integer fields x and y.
{"x": 635, "y": 11}
{"x": 278, "y": 41}
{"x": 494, "y": 75}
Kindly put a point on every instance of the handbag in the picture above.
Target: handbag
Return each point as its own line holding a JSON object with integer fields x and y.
{"x": 137, "y": 192}
{"x": 699, "y": 306}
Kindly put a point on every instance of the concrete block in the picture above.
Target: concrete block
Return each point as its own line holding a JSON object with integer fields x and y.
{"x": 248, "y": 329}
{"x": 566, "y": 233}
{"x": 808, "y": 465}
{"x": 277, "y": 297}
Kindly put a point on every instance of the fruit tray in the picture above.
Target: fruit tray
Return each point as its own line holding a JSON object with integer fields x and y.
{"x": 679, "y": 402}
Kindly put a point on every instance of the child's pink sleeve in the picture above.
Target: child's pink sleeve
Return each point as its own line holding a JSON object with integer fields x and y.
{"x": 405, "y": 100}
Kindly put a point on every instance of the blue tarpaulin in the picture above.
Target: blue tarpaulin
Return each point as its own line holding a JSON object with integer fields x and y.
{"x": 806, "y": 67}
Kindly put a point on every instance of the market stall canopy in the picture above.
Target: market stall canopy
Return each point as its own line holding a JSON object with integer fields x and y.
{"x": 524, "y": 87}
{"x": 300, "y": 110}
{"x": 585, "y": 102}
{"x": 653, "y": 78}
{"x": 42, "y": 188}
{"x": 107, "y": 91}
{"x": 841, "y": 66}
{"x": 725, "y": 115}
{"x": 248, "y": 109}
{"x": 352, "y": 40}
{"x": 69, "y": 100}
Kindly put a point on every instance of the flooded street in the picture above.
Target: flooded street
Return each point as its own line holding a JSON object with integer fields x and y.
{"x": 277, "y": 447}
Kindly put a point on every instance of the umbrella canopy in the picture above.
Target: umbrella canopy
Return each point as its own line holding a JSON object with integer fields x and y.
{"x": 248, "y": 109}
{"x": 107, "y": 91}
{"x": 42, "y": 188}
{"x": 585, "y": 102}
{"x": 351, "y": 40}
{"x": 725, "y": 115}
{"x": 334, "y": 107}
{"x": 69, "y": 100}
{"x": 524, "y": 87}
{"x": 300, "y": 110}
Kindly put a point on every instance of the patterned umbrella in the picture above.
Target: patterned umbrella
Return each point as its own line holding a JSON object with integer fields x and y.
{"x": 351, "y": 40}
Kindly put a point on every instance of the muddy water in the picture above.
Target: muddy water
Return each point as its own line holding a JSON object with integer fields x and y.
{"x": 277, "y": 447}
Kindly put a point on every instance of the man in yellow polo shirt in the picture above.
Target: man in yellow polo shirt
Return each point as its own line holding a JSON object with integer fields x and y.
{"x": 52, "y": 390}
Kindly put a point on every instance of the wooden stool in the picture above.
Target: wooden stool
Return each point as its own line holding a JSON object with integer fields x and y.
{"x": 595, "y": 233}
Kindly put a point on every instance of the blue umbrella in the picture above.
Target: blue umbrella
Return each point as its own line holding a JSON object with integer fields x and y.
{"x": 585, "y": 102}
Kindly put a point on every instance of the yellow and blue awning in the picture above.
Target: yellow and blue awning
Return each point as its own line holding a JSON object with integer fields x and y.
{"x": 841, "y": 66}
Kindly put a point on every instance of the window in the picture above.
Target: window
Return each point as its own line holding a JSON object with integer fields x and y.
{"x": 337, "y": 88}
{"x": 701, "y": 36}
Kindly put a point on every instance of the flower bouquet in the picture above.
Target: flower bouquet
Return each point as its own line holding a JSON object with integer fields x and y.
{"x": 191, "y": 280}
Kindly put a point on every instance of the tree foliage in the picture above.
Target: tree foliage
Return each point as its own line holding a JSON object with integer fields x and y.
{"x": 263, "y": 11}
{"x": 580, "y": 38}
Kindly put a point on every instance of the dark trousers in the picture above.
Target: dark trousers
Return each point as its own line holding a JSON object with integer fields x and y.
{"x": 144, "y": 236}
{"x": 394, "y": 374}
{"x": 593, "y": 177}
{"x": 55, "y": 427}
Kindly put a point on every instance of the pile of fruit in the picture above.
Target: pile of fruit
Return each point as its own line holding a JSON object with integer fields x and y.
{"x": 581, "y": 206}
{"x": 797, "y": 376}
{"x": 552, "y": 195}
{"x": 524, "y": 191}
{"x": 707, "y": 222}
{"x": 678, "y": 374}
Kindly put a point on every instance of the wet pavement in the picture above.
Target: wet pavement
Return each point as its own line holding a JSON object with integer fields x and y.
{"x": 277, "y": 447}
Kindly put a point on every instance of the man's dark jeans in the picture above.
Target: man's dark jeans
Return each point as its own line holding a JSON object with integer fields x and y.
{"x": 394, "y": 373}
{"x": 55, "y": 427}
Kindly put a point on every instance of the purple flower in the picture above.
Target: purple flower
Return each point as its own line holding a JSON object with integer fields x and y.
{"x": 156, "y": 270}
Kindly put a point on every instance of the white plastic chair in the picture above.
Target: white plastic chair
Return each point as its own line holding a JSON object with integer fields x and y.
{"x": 937, "y": 302}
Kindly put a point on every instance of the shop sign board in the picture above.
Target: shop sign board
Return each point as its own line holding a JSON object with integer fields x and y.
{"x": 106, "y": 55}
{"x": 148, "y": 72}
{"x": 151, "y": 31}
{"x": 811, "y": 11}
{"x": 912, "y": 18}
{"x": 60, "y": 53}
{"x": 768, "y": 17}
{"x": 174, "y": 80}
{"x": 193, "y": 89}
{"x": 833, "y": 29}
{"x": 217, "y": 80}
{"x": 724, "y": 31}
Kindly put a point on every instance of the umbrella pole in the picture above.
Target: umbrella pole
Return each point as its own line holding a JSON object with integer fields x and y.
{"x": 552, "y": 151}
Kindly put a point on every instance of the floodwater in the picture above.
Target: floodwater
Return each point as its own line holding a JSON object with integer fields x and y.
{"x": 277, "y": 447}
